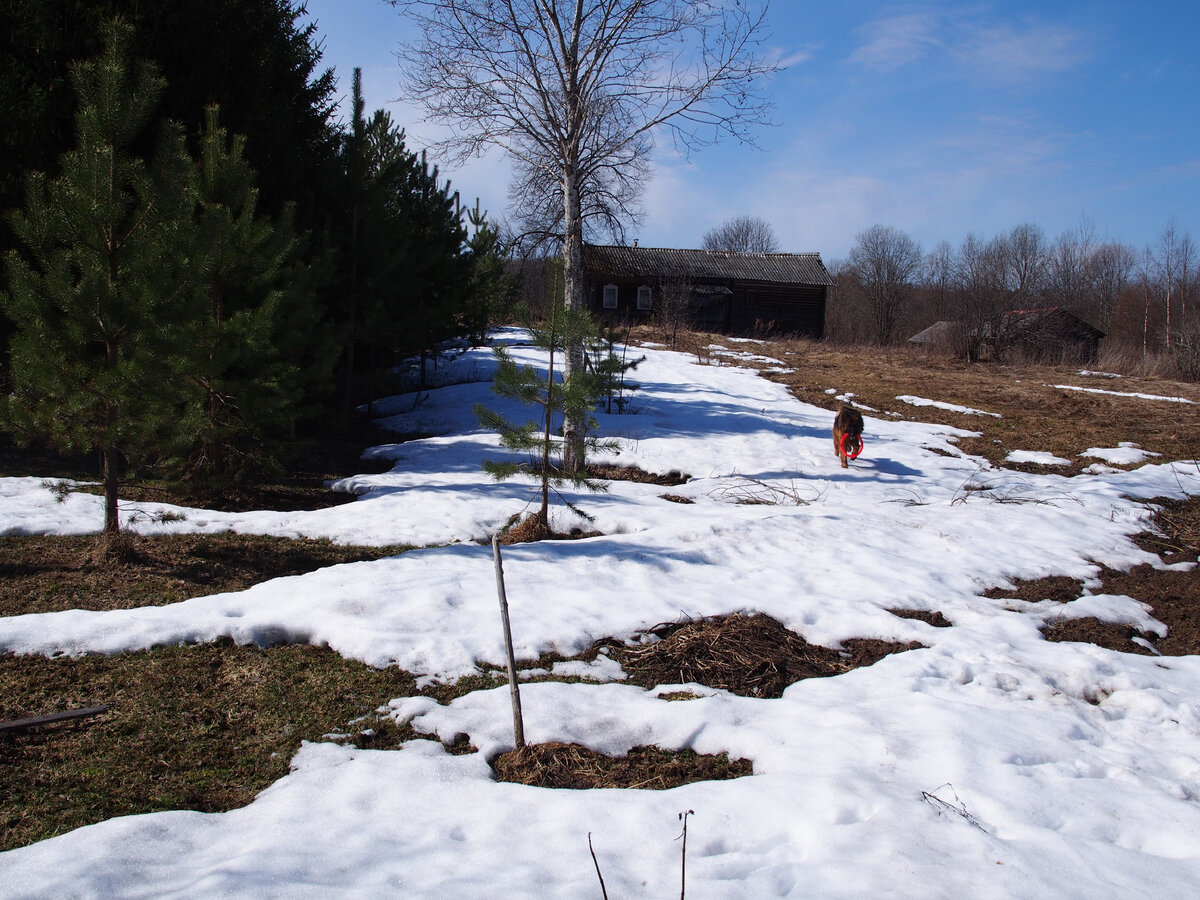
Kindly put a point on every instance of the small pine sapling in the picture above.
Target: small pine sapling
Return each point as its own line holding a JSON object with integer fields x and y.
{"x": 554, "y": 398}
{"x": 611, "y": 367}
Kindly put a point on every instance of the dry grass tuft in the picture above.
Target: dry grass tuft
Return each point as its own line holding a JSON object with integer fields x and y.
{"x": 753, "y": 656}
{"x": 48, "y": 574}
{"x": 559, "y": 765}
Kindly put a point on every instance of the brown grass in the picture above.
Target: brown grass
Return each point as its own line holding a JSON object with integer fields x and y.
{"x": 559, "y": 765}
{"x": 753, "y": 656}
{"x": 1174, "y": 596}
{"x": 46, "y": 574}
{"x": 196, "y": 727}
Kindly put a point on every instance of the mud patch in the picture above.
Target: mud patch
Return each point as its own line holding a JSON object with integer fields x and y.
{"x": 752, "y": 656}
{"x": 559, "y": 765}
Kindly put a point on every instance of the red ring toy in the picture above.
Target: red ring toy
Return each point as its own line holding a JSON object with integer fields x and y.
{"x": 854, "y": 441}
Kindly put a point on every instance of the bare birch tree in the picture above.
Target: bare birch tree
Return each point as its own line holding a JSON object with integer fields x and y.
{"x": 573, "y": 91}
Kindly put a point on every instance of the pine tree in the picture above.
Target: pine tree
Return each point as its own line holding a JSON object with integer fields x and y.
{"x": 491, "y": 292}
{"x": 402, "y": 260}
{"x": 554, "y": 399}
{"x": 242, "y": 388}
{"x": 101, "y": 292}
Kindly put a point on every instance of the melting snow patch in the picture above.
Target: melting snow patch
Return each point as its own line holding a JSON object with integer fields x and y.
{"x": 1037, "y": 457}
{"x": 1125, "y": 453}
{"x": 1086, "y": 373}
{"x": 1087, "y": 390}
{"x": 949, "y": 407}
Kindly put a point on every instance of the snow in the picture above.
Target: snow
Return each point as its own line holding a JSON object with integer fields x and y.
{"x": 1037, "y": 457}
{"x": 990, "y": 764}
{"x": 1088, "y": 390}
{"x": 1126, "y": 453}
{"x": 949, "y": 407}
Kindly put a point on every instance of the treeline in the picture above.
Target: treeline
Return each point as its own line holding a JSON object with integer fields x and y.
{"x": 199, "y": 262}
{"x": 1144, "y": 301}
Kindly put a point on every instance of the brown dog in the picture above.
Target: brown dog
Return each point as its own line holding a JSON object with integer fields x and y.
{"x": 849, "y": 421}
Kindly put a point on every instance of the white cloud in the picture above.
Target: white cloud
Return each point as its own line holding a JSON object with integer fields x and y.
{"x": 785, "y": 58}
{"x": 1019, "y": 54}
{"x": 897, "y": 40}
{"x": 973, "y": 40}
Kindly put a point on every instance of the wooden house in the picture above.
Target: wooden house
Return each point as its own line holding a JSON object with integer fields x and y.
{"x": 732, "y": 293}
{"x": 1051, "y": 334}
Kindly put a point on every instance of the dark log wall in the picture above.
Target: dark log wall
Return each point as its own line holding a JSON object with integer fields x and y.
{"x": 758, "y": 308}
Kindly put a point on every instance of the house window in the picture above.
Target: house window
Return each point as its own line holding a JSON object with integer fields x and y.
{"x": 610, "y": 296}
{"x": 643, "y": 300}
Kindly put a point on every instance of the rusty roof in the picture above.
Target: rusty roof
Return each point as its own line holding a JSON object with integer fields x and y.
{"x": 706, "y": 265}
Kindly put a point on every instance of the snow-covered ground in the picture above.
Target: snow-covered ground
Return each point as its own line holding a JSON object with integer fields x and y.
{"x": 991, "y": 764}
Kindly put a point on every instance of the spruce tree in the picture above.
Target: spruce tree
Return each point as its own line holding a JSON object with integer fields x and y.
{"x": 100, "y": 293}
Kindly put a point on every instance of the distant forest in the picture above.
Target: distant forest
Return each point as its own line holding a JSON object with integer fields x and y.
{"x": 1144, "y": 301}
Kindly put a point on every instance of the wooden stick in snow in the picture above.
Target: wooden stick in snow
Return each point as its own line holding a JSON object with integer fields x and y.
{"x": 518, "y": 720}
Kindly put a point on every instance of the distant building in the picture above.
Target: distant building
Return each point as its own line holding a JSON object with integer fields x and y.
{"x": 732, "y": 293}
{"x": 1051, "y": 334}
{"x": 937, "y": 335}
{"x": 1048, "y": 334}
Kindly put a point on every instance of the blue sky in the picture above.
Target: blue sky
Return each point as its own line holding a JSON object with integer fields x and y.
{"x": 939, "y": 118}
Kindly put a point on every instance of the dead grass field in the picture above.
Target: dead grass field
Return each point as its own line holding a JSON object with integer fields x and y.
{"x": 206, "y": 727}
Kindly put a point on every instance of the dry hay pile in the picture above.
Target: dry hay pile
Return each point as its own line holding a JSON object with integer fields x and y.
{"x": 533, "y": 529}
{"x": 753, "y": 656}
{"x": 559, "y": 765}
{"x": 637, "y": 475}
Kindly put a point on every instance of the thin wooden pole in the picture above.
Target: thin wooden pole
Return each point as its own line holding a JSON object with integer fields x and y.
{"x": 34, "y": 721}
{"x": 514, "y": 690}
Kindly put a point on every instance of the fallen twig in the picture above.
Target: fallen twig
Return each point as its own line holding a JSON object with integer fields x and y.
{"x": 957, "y": 807}
{"x": 17, "y": 725}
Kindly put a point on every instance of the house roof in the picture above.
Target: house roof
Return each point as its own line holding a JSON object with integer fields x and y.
{"x": 1048, "y": 317}
{"x": 651, "y": 262}
{"x": 935, "y": 332}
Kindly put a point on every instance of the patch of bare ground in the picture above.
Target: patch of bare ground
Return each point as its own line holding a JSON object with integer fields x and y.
{"x": 1057, "y": 588}
{"x": 202, "y": 727}
{"x": 750, "y": 655}
{"x": 634, "y": 474}
{"x": 532, "y": 529}
{"x": 559, "y": 765}
{"x": 1172, "y": 594}
{"x": 934, "y": 618}
{"x": 47, "y": 574}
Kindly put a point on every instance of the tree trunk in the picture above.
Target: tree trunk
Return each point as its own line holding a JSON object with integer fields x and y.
{"x": 112, "y": 481}
{"x": 574, "y": 430}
